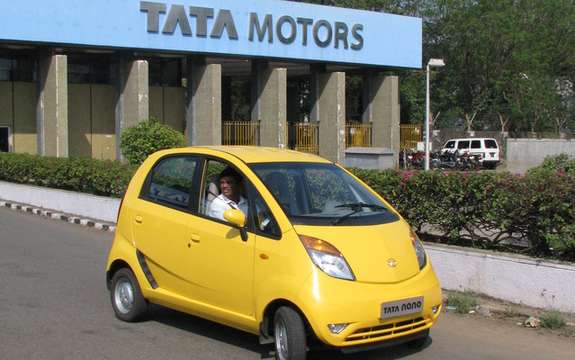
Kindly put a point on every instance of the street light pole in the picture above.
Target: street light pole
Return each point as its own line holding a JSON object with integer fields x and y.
{"x": 436, "y": 63}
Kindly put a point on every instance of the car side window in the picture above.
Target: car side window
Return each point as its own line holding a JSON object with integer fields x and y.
{"x": 463, "y": 145}
{"x": 490, "y": 144}
{"x": 476, "y": 144}
{"x": 262, "y": 217}
{"x": 223, "y": 188}
{"x": 450, "y": 145}
{"x": 170, "y": 181}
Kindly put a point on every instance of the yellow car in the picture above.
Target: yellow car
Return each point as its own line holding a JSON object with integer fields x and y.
{"x": 281, "y": 244}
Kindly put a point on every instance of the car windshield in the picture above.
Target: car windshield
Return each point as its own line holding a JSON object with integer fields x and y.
{"x": 322, "y": 194}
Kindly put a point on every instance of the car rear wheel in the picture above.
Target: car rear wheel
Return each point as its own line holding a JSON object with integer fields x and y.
{"x": 127, "y": 300}
{"x": 289, "y": 334}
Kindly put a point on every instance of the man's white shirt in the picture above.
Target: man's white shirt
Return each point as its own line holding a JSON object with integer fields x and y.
{"x": 221, "y": 203}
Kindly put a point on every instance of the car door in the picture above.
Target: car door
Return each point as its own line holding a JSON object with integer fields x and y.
{"x": 161, "y": 223}
{"x": 222, "y": 261}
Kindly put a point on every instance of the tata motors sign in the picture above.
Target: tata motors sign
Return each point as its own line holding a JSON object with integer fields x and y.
{"x": 261, "y": 28}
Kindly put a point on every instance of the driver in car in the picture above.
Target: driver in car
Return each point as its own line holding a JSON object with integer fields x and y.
{"x": 230, "y": 198}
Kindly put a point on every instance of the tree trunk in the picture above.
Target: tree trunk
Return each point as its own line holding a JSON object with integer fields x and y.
{"x": 469, "y": 120}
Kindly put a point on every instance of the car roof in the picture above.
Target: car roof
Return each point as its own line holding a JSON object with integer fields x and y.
{"x": 471, "y": 138}
{"x": 258, "y": 154}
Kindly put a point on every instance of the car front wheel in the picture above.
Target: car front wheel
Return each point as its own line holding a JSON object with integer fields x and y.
{"x": 127, "y": 300}
{"x": 289, "y": 333}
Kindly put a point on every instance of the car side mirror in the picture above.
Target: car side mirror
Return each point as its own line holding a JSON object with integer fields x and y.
{"x": 238, "y": 219}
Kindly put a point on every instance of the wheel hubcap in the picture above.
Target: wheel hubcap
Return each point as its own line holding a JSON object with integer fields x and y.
{"x": 124, "y": 296}
{"x": 281, "y": 339}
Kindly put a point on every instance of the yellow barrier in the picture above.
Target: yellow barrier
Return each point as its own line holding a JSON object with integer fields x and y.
{"x": 358, "y": 135}
{"x": 241, "y": 133}
{"x": 410, "y": 135}
{"x": 304, "y": 137}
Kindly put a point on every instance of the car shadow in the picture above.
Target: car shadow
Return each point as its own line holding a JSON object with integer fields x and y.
{"x": 209, "y": 329}
{"x": 250, "y": 342}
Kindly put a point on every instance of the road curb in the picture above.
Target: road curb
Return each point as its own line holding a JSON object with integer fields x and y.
{"x": 104, "y": 226}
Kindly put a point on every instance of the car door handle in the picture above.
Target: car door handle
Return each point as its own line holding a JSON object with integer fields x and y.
{"x": 195, "y": 238}
{"x": 139, "y": 219}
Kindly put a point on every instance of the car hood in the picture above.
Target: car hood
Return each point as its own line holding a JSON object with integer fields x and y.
{"x": 369, "y": 250}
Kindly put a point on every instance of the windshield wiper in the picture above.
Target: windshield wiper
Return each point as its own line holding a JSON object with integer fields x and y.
{"x": 356, "y": 208}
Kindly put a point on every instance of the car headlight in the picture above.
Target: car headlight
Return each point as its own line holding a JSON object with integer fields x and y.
{"x": 326, "y": 257}
{"x": 419, "y": 250}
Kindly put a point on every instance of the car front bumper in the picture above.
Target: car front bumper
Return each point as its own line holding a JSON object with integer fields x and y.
{"x": 326, "y": 300}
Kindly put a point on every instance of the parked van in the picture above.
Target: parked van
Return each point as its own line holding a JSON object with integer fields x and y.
{"x": 281, "y": 244}
{"x": 487, "y": 149}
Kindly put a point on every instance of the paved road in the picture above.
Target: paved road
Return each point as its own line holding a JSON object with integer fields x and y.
{"x": 54, "y": 305}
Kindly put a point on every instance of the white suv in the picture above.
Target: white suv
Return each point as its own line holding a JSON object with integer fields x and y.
{"x": 486, "y": 148}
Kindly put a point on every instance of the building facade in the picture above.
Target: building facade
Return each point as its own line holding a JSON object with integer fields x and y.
{"x": 74, "y": 74}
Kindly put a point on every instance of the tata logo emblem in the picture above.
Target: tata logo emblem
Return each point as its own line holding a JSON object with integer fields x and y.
{"x": 391, "y": 262}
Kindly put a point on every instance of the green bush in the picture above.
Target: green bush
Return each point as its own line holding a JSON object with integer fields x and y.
{"x": 532, "y": 214}
{"x": 142, "y": 140}
{"x": 463, "y": 302}
{"x": 562, "y": 163}
{"x": 552, "y": 320}
{"x": 99, "y": 177}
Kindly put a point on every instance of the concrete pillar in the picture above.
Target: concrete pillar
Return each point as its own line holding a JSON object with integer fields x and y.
{"x": 383, "y": 111}
{"x": 269, "y": 103}
{"x": 204, "y": 102}
{"x": 133, "y": 101}
{"x": 328, "y": 108}
{"x": 52, "y": 106}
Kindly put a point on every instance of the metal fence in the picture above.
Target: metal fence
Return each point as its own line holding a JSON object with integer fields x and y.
{"x": 410, "y": 135}
{"x": 241, "y": 133}
{"x": 358, "y": 135}
{"x": 304, "y": 137}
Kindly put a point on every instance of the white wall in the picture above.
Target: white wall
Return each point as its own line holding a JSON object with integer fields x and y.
{"x": 84, "y": 205}
{"x": 523, "y": 154}
{"x": 509, "y": 277}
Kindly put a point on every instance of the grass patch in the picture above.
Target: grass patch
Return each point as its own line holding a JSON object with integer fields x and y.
{"x": 552, "y": 320}
{"x": 463, "y": 302}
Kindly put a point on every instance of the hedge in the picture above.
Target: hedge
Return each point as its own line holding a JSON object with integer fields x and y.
{"x": 99, "y": 177}
{"x": 532, "y": 214}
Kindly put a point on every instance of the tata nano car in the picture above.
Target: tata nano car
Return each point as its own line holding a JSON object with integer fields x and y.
{"x": 281, "y": 244}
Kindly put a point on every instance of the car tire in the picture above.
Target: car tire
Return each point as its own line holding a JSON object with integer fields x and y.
{"x": 420, "y": 343}
{"x": 289, "y": 334}
{"x": 127, "y": 300}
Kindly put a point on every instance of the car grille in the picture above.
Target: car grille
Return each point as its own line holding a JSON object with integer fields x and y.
{"x": 388, "y": 330}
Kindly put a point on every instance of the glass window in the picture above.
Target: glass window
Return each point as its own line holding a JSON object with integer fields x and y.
{"x": 4, "y": 139}
{"x": 322, "y": 194}
{"x": 491, "y": 144}
{"x": 476, "y": 144}
{"x": 79, "y": 73}
{"x": 463, "y": 145}
{"x": 171, "y": 181}
{"x": 223, "y": 189}
{"x": 165, "y": 72}
{"x": 263, "y": 220}
{"x": 5, "y": 69}
{"x": 450, "y": 145}
{"x": 18, "y": 68}
{"x": 90, "y": 70}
